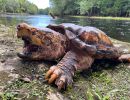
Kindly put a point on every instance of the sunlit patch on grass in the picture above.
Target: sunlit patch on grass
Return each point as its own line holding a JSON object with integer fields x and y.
{"x": 101, "y": 17}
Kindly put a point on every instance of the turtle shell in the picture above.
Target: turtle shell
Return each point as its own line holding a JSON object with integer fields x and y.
{"x": 89, "y": 35}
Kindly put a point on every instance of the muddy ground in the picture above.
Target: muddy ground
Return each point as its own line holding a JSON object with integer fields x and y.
{"x": 24, "y": 80}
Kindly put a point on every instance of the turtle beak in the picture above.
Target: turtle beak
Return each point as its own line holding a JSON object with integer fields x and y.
{"x": 24, "y": 56}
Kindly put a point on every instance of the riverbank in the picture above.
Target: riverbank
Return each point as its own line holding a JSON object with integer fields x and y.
{"x": 4, "y": 14}
{"x": 105, "y": 81}
{"x": 100, "y": 17}
{"x": 92, "y": 17}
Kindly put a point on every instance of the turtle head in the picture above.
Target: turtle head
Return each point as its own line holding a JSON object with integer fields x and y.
{"x": 41, "y": 43}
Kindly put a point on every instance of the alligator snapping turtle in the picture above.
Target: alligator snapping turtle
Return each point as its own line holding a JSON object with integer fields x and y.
{"x": 77, "y": 46}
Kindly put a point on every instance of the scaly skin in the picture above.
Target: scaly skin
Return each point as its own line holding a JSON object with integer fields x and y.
{"x": 64, "y": 71}
{"x": 79, "y": 46}
{"x": 51, "y": 45}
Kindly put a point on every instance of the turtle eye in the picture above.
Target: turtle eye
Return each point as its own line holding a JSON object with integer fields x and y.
{"x": 18, "y": 27}
{"x": 34, "y": 31}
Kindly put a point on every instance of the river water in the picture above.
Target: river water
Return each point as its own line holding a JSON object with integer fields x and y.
{"x": 118, "y": 29}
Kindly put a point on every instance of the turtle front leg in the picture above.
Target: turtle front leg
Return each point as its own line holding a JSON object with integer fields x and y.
{"x": 64, "y": 71}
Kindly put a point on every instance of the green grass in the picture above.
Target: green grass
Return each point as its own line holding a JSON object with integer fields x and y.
{"x": 101, "y": 17}
{"x": 107, "y": 84}
{"x": 21, "y": 90}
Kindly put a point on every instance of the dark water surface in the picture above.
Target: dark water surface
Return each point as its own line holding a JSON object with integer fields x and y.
{"x": 118, "y": 29}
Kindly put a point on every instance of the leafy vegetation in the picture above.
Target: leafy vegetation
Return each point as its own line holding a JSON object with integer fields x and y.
{"x": 70, "y": 7}
{"x": 91, "y": 7}
{"x": 17, "y": 6}
{"x": 43, "y": 11}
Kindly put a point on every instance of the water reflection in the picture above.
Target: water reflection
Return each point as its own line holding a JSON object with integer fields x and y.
{"x": 117, "y": 29}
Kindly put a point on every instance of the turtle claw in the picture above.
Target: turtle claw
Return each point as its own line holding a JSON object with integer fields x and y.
{"x": 50, "y": 72}
{"x": 61, "y": 82}
{"x": 61, "y": 85}
{"x": 52, "y": 78}
{"x": 61, "y": 77}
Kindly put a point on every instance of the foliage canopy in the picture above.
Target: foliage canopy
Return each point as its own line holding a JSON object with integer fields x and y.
{"x": 91, "y": 7}
{"x": 18, "y": 6}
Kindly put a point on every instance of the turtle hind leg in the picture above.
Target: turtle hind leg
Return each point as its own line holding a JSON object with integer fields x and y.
{"x": 124, "y": 58}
